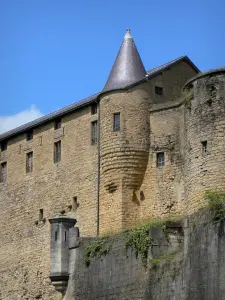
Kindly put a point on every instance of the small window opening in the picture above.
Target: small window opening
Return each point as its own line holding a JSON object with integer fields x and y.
{"x": 29, "y": 162}
{"x": 116, "y": 122}
{"x": 58, "y": 124}
{"x": 75, "y": 203}
{"x": 56, "y": 235}
{"x": 94, "y": 109}
{"x": 57, "y": 152}
{"x": 142, "y": 196}
{"x": 204, "y": 147}
{"x": 94, "y": 132}
{"x": 158, "y": 90}
{"x": 30, "y": 135}
{"x": 41, "y": 214}
{"x": 4, "y": 145}
{"x": 3, "y": 175}
{"x": 65, "y": 235}
{"x": 160, "y": 159}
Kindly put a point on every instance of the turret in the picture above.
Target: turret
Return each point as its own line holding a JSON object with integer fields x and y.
{"x": 124, "y": 137}
{"x": 59, "y": 270}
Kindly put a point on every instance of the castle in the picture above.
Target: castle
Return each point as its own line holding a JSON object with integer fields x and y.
{"x": 146, "y": 147}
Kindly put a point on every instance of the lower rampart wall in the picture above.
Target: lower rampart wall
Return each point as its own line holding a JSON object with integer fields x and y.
{"x": 193, "y": 269}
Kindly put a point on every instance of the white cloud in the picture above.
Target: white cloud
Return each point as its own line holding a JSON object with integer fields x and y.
{"x": 23, "y": 117}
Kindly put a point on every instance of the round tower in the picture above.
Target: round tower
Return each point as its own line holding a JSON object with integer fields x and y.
{"x": 204, "y": 140}
{"x": 124, "y": 135}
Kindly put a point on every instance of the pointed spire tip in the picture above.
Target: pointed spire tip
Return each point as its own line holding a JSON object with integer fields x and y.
{"x": 128, "y": 34}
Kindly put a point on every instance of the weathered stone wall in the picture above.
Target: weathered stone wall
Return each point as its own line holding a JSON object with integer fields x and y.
{"x": 204, "y": 121}
{"x": 172, "y": 80}
{"x": 24, "y": 249}
{"x": 119, "y": 274}
{"x": 51, "y": 187}
{"x": 190, "y": 271}
{"x": 162, "y": 188}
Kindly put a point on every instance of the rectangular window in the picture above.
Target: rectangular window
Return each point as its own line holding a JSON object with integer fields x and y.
{"x": 75, "y": 204}
{"x": 29, "y": 162}
{"x": 3, "y": 145}
{"x": 94, "y": 109}
{"x": 116, "y": 122}
{"x": 160, "y": 159}
{"x": 158, "y": 90}
{"x": 58, "y": 123}
{"x": 204, "y": 147}
{"x": 94, "y": 132}
{"x": 41, "y": 214}
{"x": 3, "y": 176}
{"x": 30, "y": 135}
{"x": 57, "y": 152}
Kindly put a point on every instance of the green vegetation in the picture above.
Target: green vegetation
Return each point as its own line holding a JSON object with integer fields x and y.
{"x": 216, "y": 200}
{"x": 96, "y": 248}
{"x": 139, "y": 239}
{"x": 164, "y": 258}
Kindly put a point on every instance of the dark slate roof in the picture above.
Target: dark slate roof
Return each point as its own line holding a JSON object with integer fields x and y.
{"x": 127, "y": 68}
{"x": 49, "y": 117}
{"x": 85, "y": 102}
{"x": 163, "y": 67}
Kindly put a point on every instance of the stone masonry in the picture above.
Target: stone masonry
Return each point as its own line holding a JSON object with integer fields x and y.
{"x": 114, "y": 181}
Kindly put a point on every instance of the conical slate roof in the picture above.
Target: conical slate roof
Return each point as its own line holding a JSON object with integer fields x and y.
{"x": 128, "y": 67}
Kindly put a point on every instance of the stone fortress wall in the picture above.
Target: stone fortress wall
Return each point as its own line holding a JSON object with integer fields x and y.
{"x": 25, "y": 248}
{"x": 204, "y": 142}
{"x": 171, "y": 123}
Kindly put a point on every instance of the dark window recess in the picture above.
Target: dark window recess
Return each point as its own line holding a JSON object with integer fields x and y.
{"x": 94, "y": 132}
{"x": 57, "y": 152}
{"x": 30, "y": 135}
{"x": 3, "y": 175}
{"x": 94, "y": 109}
{"x": 158, "y": 90}
{"x": 58, "y": 124}
{"x": 204, "y": 147}
{"x": 29, "y": 162}
{"x": 75, "y": 203}
{"x": 3, "y": 145}
{"x": 65, "y": 235}
{"x": 142, "y": 196}
{"x": 56, "y": 235}
{"x": 160, "y": 159}
{"x": 41, "y": 214}
{"x": 116, "y": 122}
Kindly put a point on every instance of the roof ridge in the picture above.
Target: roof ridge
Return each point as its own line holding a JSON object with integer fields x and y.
{"x": 86, "y": 101}
{"x": 168, "y": 63}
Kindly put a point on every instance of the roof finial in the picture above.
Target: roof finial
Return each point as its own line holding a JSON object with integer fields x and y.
{"x": 128, "y": 34}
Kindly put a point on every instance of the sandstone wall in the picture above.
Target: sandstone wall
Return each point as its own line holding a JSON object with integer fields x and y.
{"x": 161, "y": 193}
{"x": 138, "y": 190}
{"x": 204, "y": 122}
{"x": 25, "y": 241}
{"x": 172, "y": 81}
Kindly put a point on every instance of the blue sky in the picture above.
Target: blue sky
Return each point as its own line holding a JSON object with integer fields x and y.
{"x": 56, "y": 52}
